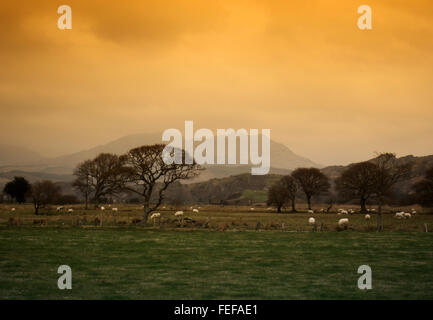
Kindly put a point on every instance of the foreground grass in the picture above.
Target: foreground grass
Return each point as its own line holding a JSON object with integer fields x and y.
{"x": 135, "y": 264}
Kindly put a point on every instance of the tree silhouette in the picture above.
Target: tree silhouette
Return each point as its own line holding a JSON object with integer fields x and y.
{"x": 146, "y": 172}
{"x": 17, "y": 189}
{"x": 358, "y": 181}
{"x": 312, "y": 182}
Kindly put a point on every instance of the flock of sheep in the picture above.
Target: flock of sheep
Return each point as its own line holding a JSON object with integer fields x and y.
{"x": 404, "y": 215}
{"x": 344, "y": 222}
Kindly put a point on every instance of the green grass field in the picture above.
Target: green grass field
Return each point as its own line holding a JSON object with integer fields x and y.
{"x": 138, "y": 263}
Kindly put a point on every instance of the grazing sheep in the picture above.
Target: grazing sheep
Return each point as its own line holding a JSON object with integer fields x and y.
{"x": 407, "y": 215}
{"x": 399, "y": 215}
{"x": 195, "y": 210}
{"x": 312, "y": 221}
{"x": 368, "y": 210}
{"x": 413, "y": 211}
{"x": 252, "y": 209}
{"x": 367, "y": 217}
{"x": 344, "y": 222}
{"x": 59, "y": 209}
{"x": 114, "y": 209}
{"x": 102, "y": 208}
{"x": 70, "y": 210}
{"x": 322, "y": 210}
{"x": 310, "y": 211}
{"x": 155, "y": 215}
{"x": 373, "y": 210}
{"x": 178, "y": 214}
{"x": 13, "y": 209}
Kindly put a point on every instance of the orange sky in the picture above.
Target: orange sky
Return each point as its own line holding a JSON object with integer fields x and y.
{"x": 326, "y": 89}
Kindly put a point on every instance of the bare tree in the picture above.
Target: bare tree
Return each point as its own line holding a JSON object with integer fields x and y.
{"x": 43, "y": 193}
{"x": 388, "y": 173}
{"x": 278, "y": 195}
{"x": 147, "y": 173}
{"x": 291, "y": 186}
{"x": 83, "y": 182}
{"x": 358, "y": 181}
{"x": 312, "y": 182}
{"x": 100, "y": 177}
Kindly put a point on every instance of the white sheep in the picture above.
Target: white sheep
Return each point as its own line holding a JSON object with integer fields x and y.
{"x": 373, "y": 210}
{"x": 154, "y": 216}
{"x": 102, "y": 208}
{"x": 407, "y": 215}
{"x": 114, "y": 209}
{"x": 312, "y": 221}
{"x": 178, "y": 214}
{"x": 195, "y": 210}
{"x": 344, "y": 212}
{"x": 70, "y": 210}
{"x": 367, "y": 217}
{"x": 252, "y": 209}
{"x": 399, "y": 215}
{"x": 59, "y": 208}
{"x": 13, "y": 209}
{"x": 413, "y": 211}
{"x": 322, "y": 210}
{"x": 344, "y": 222}
{"x": 310, "y": 211}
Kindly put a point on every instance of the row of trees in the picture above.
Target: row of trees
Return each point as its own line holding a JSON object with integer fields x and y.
{"x": 41, "y": 192}
{"x": 362, "y": 181}
{"x": 141, "y": 171}
{"x": 311, "y": 181}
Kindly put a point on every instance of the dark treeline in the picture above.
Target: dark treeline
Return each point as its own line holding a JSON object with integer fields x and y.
{"x": 140, "y": 176}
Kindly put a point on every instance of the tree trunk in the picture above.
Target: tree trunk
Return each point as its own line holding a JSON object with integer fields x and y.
{"x": 279, "y": 209}
{"x": 293, "y": 206}
{"x": 309, "y": 202}
{"x": 146, "y": 211}
{"x": 86, "y": 202}
{"x": 363, "y": 208}
{"x": 379, "y": 216}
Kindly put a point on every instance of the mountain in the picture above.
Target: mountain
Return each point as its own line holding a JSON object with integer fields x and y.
{"x": 17, "y": 155}
{"x": 282, "y": 159}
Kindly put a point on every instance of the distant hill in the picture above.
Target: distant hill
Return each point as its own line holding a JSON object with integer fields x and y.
{"x": 17, "y": 155}
{"x": 420, "y": 166}
{"x": 282, "y": 159}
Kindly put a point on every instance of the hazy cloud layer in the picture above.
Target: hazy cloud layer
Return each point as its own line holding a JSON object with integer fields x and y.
{"x": 302, "y": 68}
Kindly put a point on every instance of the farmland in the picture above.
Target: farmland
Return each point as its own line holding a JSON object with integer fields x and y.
{"x": 185, "y": 260}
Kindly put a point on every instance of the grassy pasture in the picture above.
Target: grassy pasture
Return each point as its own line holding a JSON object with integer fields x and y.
{"x": 209, "y": 218}
{"x": 261, "y": 255}
{"x": 125, "y": 263}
